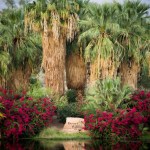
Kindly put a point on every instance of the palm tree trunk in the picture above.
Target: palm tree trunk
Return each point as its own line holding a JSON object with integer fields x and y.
{"x": 76, "y": 72}
{"x": 19, "y": 78}
{"x": 54, "y": 52}
{"x": 94, "y": 74}
{"x": 102, "y": 69}
{"x": 2, "y": 82}
{"x": 108, "y": 68}
{"x": 129, "y": 73}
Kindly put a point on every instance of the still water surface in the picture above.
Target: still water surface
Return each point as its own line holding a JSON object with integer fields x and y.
{"x": 73, "y": 145}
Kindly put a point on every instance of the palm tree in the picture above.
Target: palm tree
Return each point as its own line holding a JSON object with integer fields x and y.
{"x": 75, "y": 63}
{"x": 57, "y": 22}
{"x": 4, "y": 62}
{"x": 20, "y": 52}
{"x": 98, "y": 31}
{"x": 131, "y": 17}
{"x": 116, "y": 36}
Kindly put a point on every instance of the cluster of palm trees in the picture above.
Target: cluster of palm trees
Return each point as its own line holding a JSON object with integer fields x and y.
{"x": 75, "y": 41}
{"x": 20, "y": 53}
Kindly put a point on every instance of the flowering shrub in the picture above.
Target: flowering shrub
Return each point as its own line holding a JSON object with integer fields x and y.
{"x": 24, "y": 116}
{"x": 122, "y": 123}
{"x": 127, "y": 123}
{"x": 141, "y": 101}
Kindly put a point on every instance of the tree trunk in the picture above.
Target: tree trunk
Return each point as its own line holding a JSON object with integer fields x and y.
{"x": 107, "y": 68}
{"x": 2, "y": 82}
{"x": 54, "y": 52}
{"x": 19, "y": 78}
{"x": 76, "y": 72}
{"x": 129, "y": 73}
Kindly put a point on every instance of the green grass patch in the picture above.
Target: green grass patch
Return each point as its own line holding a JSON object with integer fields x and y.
{"x": 56, "y": 134}
{"x": 145, "y": 137}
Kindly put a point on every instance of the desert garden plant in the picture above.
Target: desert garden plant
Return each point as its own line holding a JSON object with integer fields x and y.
{"x": 129, "y": 123}
{"x": 24, "y": 116}
{"x": 36, "y": 90}
{"x": 19, "y": 52}
{"x": 106, "y": 95}
{"x": 57, "y": 23}
{"x": 69, "y": 110}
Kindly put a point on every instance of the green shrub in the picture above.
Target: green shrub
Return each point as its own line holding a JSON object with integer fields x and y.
{"x": 37, "y": 91}
{"x": 106, "y": 94}
{"x": 71, "y": 95}
{"x": 67, "y": 106}
{"x": 69, "y": 110}
{"x": 60, "y": 101}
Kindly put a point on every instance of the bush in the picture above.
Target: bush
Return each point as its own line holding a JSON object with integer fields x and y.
{"x": 24, "y": 116}
{"x": 122, "y": 123}
{"x": 60, "y": 101}
{"x": 107, "y": 95}
{"x": 67, "y": 106}
{"x": 71, "y": 95}
{"x": 69, "y": 110}
{"x": 37, "y": 91}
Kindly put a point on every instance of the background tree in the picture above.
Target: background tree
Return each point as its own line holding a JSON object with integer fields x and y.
{"x": 21, "y": 52}
{"x": 98, "y": 29}
{"x": 133, "y": 38}
{"x": 75, "y": 62}
{"x": 116, "y": 39}
{"x": 57, "y": 22}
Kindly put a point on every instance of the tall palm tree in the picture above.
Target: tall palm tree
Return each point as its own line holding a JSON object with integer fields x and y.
{"x": 21, "y": 51}
{"x": 4, "y": 62}
{"x": 98, "y": 31}
{"x": 75, "y": 63}
{"x": 57, "y": 22}
{"x": 133, "y": 38}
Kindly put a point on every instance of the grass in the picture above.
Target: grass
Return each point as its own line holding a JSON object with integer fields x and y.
{"x": 145, "y": 137}
{"x": 55, "y": 134}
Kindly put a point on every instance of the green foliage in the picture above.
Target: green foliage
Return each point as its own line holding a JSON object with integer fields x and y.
{"x": 144, "y": 78}
{"x": 4, "y": 62}
{"x": 17, "y": 48}
{"x": 118, "y": 31}
{"x": 1, "y": 106}
{"x": 69, "y": 110}
{"x": 71, "y": 95}
{"x": 67, "y": 106}
{"x": 55, "y": 134}
{"x": 37, "y": 91}
{"x": 106, "y": 94}
{"x": 60, "y": 102}
{"x": 95, "y": 27}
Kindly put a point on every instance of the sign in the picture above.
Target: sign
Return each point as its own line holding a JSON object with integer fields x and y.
{"x": 74, "y": 124}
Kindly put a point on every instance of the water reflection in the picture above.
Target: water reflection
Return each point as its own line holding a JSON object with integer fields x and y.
{"x": 72, "y": 145}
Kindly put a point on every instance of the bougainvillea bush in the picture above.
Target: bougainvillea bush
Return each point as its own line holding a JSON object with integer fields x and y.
{"x": 121, "y": 123}
{"x": 24, "y": 116}
{"x": 141, "y": 101}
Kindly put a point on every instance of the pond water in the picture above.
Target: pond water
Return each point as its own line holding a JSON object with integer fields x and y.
{"x": 73, "y": 145}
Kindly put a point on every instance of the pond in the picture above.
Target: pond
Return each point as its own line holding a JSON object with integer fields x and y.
{"x": 73, "y": 145}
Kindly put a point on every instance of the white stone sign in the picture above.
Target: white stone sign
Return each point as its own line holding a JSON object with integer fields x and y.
{"x": 74, "y": 124}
